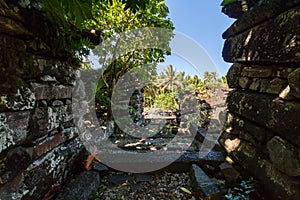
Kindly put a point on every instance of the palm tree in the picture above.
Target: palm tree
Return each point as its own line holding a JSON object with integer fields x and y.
{"x": 210, "y": 77}
{"x": 168, "y": 79}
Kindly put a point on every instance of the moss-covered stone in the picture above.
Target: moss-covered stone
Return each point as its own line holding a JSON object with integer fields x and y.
{"x": 274, "y": 41}
{"x": 233, "y": 74}
{"x": 282, "y": 117}
{"x": 284, "y": 156}
{"x": 261, "y": 12}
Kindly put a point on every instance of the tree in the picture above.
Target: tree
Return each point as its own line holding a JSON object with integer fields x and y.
{"x": 194, "y": 83}
{"x": 168, "y": 79}
{"x": 114, "y": 17}
{"x": 210, "y": 77}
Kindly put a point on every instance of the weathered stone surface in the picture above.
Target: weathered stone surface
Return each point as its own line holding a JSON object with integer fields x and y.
{"x": 282, "y": 186}
{"x": 262, "y": 130}
{"x": 17, "y": 160}
{"x": 48, "y": 78}
{"x": 283, "y": 72}
{"x": 52, "y": 168}
{"x": 174, "y": 161}
{"x": 58, "y": 115}
{"x": 46, "y": 119}
{"x": 24, "y": 99}
{"x": 81, "y": 187}
{"x": 37, "y": 137}
{"x": 13, "y": 128}
{"x": 241, "y": 126}
{"x": 15, "y": 189}
{"x": 255, "y": 84}
{"x": 257, "y": 71}
{"x": 208, "y": 169}
{"x": 263, "y": 85}
{"x": 44, "y": 91}
{"x": 259, "y": 13}
{"x": 231, "y": 175}
{"x": 6, "y": 137}
{"x": 244, "y": 82}
{"x": 259, "y": 45}
{"x": 268, "y": 112}
{"x": 279, "y": 185}
{"x": 232, "y": 74}
{"x": 52, "y": 71}
{"x": 57, "y": 103}
{"x": 203, "y": 186}
{"x": 284, "y": 156}
{"x": 53, "y": 141}
{"x": 229, "y": 141}
{"x": 275, "y": 86}
{"x": 294, "y": 82}
{"x": 245, "y": 154}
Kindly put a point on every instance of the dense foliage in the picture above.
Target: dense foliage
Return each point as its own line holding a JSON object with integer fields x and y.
{"x": 70, "y": 17}
{"x": 164, "y": 92}
{"x": 114, "y": 17}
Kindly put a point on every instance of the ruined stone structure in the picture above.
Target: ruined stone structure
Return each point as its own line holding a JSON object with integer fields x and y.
{"x": 263, "y": 123}
{"x": 39, "y": 143}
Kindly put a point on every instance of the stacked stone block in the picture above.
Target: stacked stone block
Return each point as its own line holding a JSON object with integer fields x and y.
{"x": 39, "y": 142}
{"x": 263, "y": 123}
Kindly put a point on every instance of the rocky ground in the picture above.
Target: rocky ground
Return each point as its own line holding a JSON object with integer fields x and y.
{"x": 192, "y": 176}
{"x": 164, "y": 185}
{"x": 117, "y": 185}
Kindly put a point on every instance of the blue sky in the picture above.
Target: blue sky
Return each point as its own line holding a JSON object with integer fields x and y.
{"x": 203, "y": 22}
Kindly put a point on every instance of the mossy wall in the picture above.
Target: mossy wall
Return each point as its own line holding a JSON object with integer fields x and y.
{"x": 263, "y": 123}
{"x": 39, "y": 142}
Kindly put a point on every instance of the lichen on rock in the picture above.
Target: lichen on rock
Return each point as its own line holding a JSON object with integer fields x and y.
{"x": 24, "y": 99}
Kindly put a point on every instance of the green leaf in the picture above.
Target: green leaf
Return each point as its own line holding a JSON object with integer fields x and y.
{"x": 226, "y": 2}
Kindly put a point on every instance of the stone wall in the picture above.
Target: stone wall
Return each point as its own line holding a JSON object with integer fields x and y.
{"x": 39, "y": 143}
{"x": 263, "y": 123}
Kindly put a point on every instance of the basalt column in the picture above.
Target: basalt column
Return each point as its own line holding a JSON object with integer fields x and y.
{"x": 263, "y": 124}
